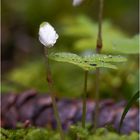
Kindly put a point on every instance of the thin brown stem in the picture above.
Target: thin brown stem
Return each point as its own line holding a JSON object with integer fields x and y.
{"x": 50, "y": 85}
{"x": 98, "y": 50}
{"x": 100, "y": 16}
{"x": 84, "y": 99}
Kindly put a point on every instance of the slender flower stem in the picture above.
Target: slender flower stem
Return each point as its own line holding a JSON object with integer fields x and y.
{"x": 97, "y": 96}
{"x": 100, "y": 16}
{"x": 98, "y": 50}
{"x": 84, "y": 99}
{"x": 50, "y": 85}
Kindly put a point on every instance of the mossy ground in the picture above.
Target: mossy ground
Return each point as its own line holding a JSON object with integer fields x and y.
{"x": 44, "y": 134}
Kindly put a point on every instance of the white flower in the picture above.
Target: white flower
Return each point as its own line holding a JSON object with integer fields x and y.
{"x": 77, "y": 2}
{"x": 47, "y": 35}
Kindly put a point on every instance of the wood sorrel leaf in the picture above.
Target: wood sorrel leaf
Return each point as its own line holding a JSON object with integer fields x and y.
{"x": 71, "y": 58}
{"x": 87, "y": 62}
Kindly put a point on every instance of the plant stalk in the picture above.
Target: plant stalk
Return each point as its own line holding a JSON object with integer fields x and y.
{"x": 97, "y": 96}
{"x": 98, "y": 50}
{"x": 84, "y": 99}
{"x": 50, "y": 85}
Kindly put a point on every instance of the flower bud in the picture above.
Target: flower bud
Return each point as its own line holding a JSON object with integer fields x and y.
{"x": 47, "y": 35}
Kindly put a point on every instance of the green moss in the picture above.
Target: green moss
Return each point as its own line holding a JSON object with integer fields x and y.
{"x": 37, "y": 134}
{"x": 44, "y": 134}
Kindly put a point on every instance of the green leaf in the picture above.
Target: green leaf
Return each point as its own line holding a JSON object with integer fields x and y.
{"x": 130, "y": 103}
{"x": 87, "y": 62}
{"x": 71, "y": 58}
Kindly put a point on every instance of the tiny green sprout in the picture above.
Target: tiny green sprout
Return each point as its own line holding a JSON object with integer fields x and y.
{"x": 48, "y": 37}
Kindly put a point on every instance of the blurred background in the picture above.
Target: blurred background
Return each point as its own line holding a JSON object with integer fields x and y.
{"x": 22, "y": 56}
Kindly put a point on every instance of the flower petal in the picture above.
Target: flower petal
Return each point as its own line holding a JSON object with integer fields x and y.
{"x": 47, "y": 35}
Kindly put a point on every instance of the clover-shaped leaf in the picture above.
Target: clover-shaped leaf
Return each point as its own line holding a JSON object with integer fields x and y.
{"x": 71, "y": 58}
{"x": 87, "y": 62}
